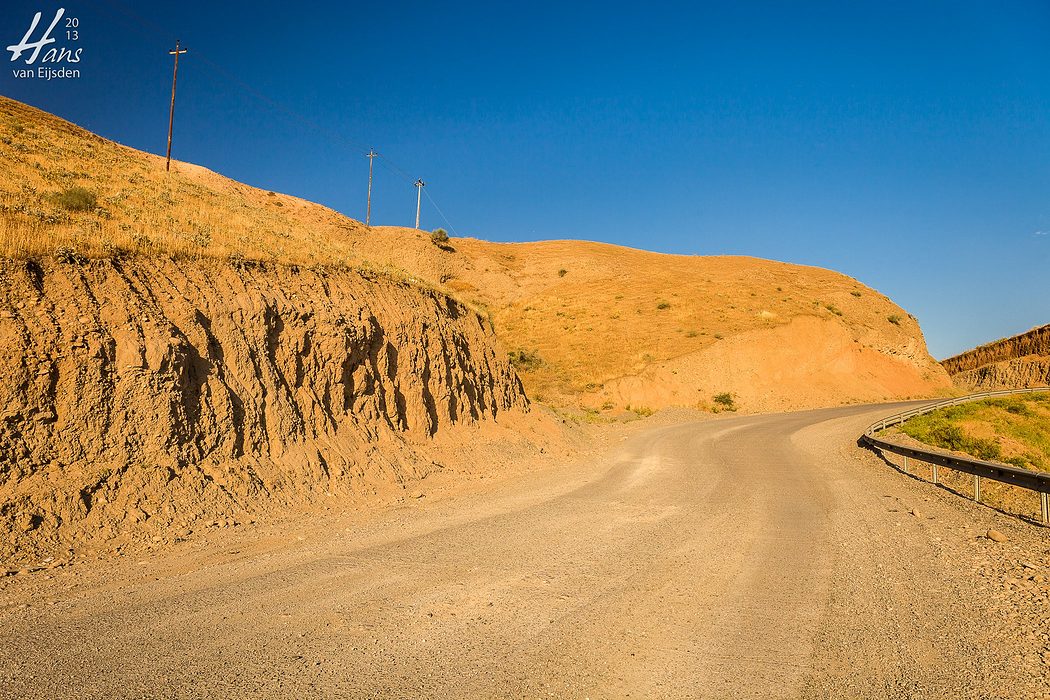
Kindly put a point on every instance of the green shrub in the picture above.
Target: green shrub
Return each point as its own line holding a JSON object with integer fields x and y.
{"x": 439, "y": 237}
{"x": 937, "y": 431}
{"x": 76, "y": 199}
{"x": 944, "y": 435}
{"x": 894, "y": 319}
{"x": 663, "y": 305}
{"x": 562, "y": 272}
{"x": 1015, "y": 406}
{"x": 984, "y": 449}
{"x": 725, "y": 401}
{"x": 525, "y": 360}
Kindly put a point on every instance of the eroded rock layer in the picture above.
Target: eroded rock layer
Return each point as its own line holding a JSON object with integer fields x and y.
{"x": 172, "y": 390}
{"x": 1021, "y": 361}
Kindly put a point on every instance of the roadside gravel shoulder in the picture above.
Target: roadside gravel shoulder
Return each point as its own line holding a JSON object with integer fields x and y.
{"x": 915, "y": 566}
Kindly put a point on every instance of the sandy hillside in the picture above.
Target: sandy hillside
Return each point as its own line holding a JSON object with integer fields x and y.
{"x": 612, "y": 327}
{"x": 589, "y": 325}
{"x": 1018, "y": 362}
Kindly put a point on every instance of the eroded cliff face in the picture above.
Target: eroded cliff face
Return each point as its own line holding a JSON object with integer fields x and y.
{"x": 808, "y": 363}
{"x": 1035, "y": 342}
{"x": 169, "y": 391}
{"x": 1012, "y": 363}
{"x": 1022, "y": 373}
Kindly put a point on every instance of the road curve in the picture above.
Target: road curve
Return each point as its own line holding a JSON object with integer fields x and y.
{"x": 753, "y": 556}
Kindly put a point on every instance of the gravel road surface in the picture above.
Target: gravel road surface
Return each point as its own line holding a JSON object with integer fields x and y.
{"x": 742, "y": 557}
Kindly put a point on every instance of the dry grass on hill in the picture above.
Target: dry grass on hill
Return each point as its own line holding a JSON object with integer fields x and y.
{"x": 66, "y": 191}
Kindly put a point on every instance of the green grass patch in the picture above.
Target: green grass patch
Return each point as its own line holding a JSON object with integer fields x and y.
{"x": 1011, "y": 429}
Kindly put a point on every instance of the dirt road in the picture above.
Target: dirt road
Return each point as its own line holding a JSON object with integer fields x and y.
{"x": 758, "y": 556}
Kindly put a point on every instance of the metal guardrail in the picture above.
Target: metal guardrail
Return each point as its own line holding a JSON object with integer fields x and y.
{"x": 981, "y": 469}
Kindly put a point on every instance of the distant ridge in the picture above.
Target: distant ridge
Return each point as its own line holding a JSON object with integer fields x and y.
{"x": 1033, "y": 342}
{"x": 1017, "y": 362}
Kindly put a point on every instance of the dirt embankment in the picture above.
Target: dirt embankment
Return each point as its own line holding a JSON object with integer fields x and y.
{"x": 147, "y": 396}
{"x": 1011, "y": 363}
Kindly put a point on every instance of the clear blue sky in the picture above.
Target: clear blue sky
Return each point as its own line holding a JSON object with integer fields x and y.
{"x": 904, "y": 143}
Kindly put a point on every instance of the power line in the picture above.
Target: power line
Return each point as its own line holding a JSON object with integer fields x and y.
{"x": 153, "y": 28}
{"x": 396, "y": 170}
{"x": 231, "y": 77}
{"x": 442, "y": 214}
{"x": 402, "y": 174}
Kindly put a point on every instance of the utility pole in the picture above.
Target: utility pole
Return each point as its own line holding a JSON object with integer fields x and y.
{"x": 419, "y": 198}
{"x": 171, "y": 114}
{"x": 371, "y": 159}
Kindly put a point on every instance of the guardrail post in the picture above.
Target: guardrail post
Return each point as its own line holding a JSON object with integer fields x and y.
{"x": 977, "y": 488}
{"x": 935, "y": 480}
{"x": 1044, "y": 499}
{"x": 906, "y": 464}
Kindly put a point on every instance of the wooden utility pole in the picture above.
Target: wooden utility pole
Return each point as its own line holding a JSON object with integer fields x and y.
{"x": 419, "y": 198}
{"x": 171, "y": 114}
{"x": 371, "y": 159}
